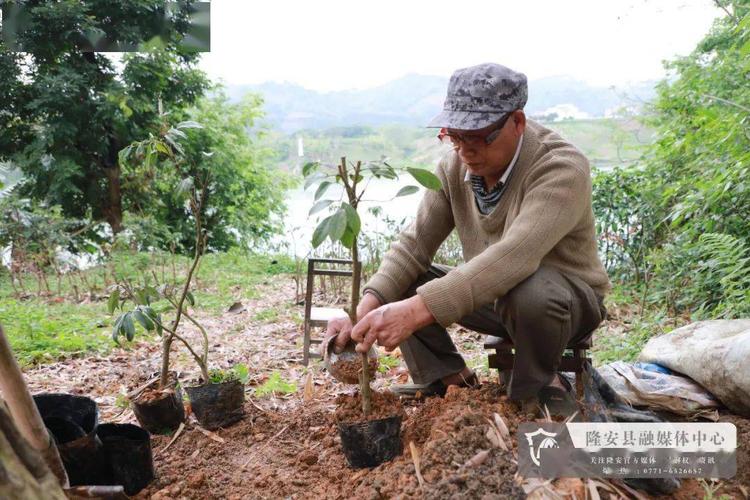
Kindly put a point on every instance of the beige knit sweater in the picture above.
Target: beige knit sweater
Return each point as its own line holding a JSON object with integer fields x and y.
{"x": 543, "y": 218}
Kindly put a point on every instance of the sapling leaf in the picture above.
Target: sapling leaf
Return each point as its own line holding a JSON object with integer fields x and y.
{"x": 144, "y": 320}
{"x": 353, "y": 221}
{"x": 347, "y": 239}
{"x": 337, "y": 224}
{"x": 190, "y": 298}
{"x": 309, "y": 168}
{"x": 114, "y": 299}
{"x": 425, "y": 178}
{"x": 116, "y": 329}
{"x": 128, "y": 327}
{"x": 320, "y": 205}
{"x": 319, "y": 235}
{"x": 322, "y": 189}
{"x": 407, "y": 190}
{"x": 315, "y": 177}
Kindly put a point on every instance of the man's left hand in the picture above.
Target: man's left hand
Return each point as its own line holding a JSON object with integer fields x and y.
{"x": 391, "y": 324}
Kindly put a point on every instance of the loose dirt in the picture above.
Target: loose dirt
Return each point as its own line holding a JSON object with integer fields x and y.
{"x": 297, "y": 454}
{"x": 383, "y": 405}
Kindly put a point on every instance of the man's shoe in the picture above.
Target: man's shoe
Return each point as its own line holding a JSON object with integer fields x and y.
{"x": 436, "y": 388}
{"x": 558, "y": 402}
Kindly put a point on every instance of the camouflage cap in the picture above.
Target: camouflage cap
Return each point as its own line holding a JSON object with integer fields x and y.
{"x": 481, "y": 95}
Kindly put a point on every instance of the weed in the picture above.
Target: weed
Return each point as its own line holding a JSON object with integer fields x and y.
{"x": 275, "y": 384}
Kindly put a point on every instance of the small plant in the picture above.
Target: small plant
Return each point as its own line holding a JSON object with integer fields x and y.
{"x": 275, "y": 384}
{"x": 385, "y": 363}
{"x": 239, "y": 372}
{"x": 136, "y": 302}
{"x": 344, "y": 224}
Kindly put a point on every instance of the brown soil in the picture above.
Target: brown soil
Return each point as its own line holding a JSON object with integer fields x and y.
{"x": 297, "y": 454}
{"x": 383, "y": 405}
{"x": 348, "y": 370}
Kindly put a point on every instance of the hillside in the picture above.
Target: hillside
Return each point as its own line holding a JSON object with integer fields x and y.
{"x": 414, "y": 99}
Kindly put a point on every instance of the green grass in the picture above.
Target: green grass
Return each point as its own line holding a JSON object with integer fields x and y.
{"x": 45, "y": 329}
{"x": 40, "y": 331}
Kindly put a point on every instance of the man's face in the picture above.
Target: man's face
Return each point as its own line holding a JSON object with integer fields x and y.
{"x": 490, "y": 160}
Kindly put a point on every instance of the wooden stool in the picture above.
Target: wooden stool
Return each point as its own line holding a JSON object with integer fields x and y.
{"x": 319, "y": 316}
{"x": 504, "y": 357}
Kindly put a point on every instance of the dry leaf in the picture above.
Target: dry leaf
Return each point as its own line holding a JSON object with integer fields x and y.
{"x": 210, "y": 434}
{"x": 415, "y": 458}
{"x": 477, "y": 459}
{"x": 308, "y": 393}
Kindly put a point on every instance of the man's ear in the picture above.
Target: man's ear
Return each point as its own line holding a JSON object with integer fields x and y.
{"x": 519, "y": 121}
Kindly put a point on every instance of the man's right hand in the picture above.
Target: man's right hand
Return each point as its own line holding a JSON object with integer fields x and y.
{"x": 341, "y": 328}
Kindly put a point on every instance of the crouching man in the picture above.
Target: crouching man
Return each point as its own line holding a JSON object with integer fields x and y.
{"x": 519, "y": 197}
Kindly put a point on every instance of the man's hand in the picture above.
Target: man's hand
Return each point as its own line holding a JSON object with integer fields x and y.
{"x": 391, "y": 324}
{"x": 341, "y": 328}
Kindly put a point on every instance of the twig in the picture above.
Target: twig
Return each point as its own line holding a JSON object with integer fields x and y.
{"x": 210, "y": 434}
{"x": 174, "y": 438}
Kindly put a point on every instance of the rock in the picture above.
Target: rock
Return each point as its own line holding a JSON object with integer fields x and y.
{"x": 308, "y": 457}
{"x": 196, "y": 480}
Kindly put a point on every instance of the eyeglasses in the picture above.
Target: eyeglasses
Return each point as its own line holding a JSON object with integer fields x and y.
{"x": 486, "y": 138}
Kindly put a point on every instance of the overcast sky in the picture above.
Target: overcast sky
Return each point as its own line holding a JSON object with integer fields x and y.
{"x": 342, "y": 44}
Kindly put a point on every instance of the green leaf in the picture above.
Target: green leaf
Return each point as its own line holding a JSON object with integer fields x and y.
{"x": 320, "y": 205}
{"x": 128, "y": 327}
{"x": 322, "y": 189}
{"x": 178, "y": 133}
{"x": 144, "y": 320}
{"x": 332, "y": 227}
{"x": 407, "y": 190}
{"x": 309, "y": 168}
{"x": 116, "y": 329}
{"x": 315, "y": 177}
{"x": 319, "y": 235}
{"x": 353, "y": 221}
{"x": 337, "y": 224}
{"x": 425, "y": 178}
{"x": 113, "y": 301}
{"x": 188, "y": 124}
{"x": 190, "y": 298}
{"x": 347, "y": 239}
{"x": 162, "y": 148}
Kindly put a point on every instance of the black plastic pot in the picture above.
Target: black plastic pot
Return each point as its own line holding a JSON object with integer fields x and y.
{"x": 128, "y": 451}
{"x": 162, "y": 415}
{"x": 217, "y": 405}
{"x": 72, "y": 421}
{"x": 367, "y": 444}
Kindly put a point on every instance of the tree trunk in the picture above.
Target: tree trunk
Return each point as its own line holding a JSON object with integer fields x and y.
{"x": 23, "y": 473}
{"x": 113, "y": 204}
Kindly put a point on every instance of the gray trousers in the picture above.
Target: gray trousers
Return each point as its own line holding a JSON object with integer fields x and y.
{"x": 542, "y": 315}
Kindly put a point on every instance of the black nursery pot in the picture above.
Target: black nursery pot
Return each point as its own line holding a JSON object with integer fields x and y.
{"x": 72, "y": 422}
{"x": 367, "y": 444}
{"x": 217, "y": 405}
{"x": 128, "y": 451}
{"x": 163, "y": 415}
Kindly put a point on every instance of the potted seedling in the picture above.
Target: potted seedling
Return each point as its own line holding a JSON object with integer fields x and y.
{"x": 369, "y": 423}
{"x": 217, "y": 399}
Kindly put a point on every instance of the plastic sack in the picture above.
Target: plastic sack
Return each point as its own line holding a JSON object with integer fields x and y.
{"x": 646, "y": 387}
{"x": 713, "y": 353}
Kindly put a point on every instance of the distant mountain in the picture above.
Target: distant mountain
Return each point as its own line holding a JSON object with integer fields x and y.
{"x": 414, "y": 99}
